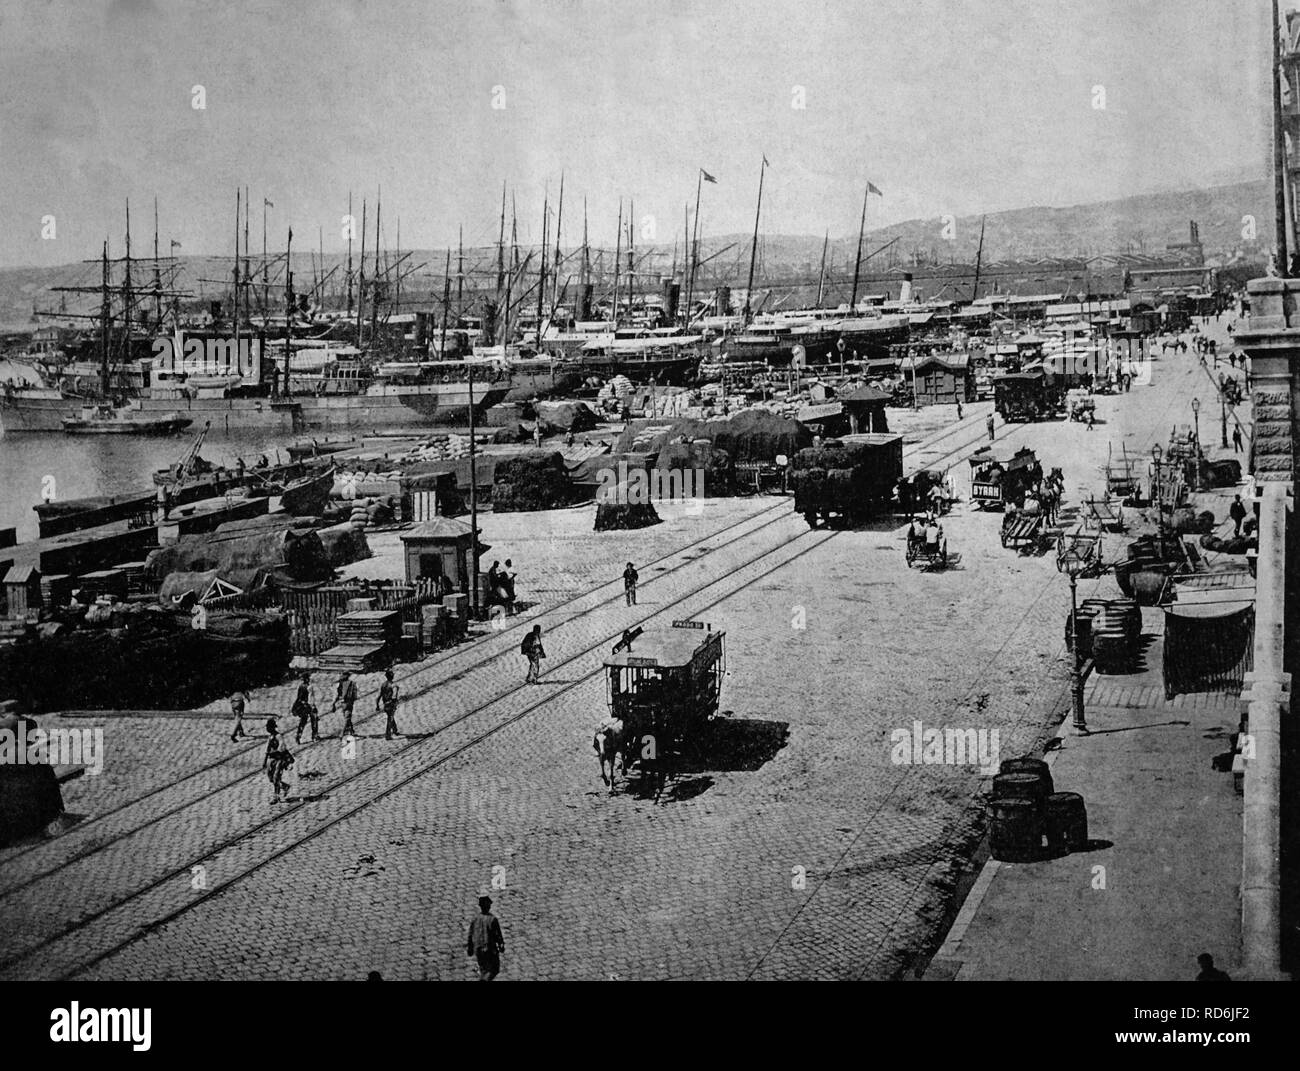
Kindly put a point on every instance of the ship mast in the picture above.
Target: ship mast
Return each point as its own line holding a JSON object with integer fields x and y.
{"x": 979, "y": 260}
{"x": 349, "y": 278}
{"x": 266, "y": 297}
{"x": 106, "y": 318}
{"x": 821, "y": 279}
{"x": 618, "y": 253}
{"x": 126, "y": 291}
{"x": 541, "y": 271}
{"x": 374, "y": 288}
{"x": 460, "y": 274}
{"x": 857, "y": 261}
{"x": 157, "y": 279}
{"x": 288, "y": 315}
{"x": 753, "y": 252}
{"x": 361, "y": 273}
{"x": 235, "y": 304}
{"x": 631, "y": 257}
{"x": 446, "y": 307}
{"x": 510, "y": 278}
{"x": 555, "y": 273}
{"x": 693, "y": 253}
{"x": 248, "y": 300}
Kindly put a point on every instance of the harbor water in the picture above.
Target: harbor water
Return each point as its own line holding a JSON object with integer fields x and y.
{"x": 82, "y": 465}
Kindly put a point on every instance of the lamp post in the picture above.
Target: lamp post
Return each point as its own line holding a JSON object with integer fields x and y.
{"x": 1223, "y": 410}
{"x": 1156, "y": 495}
{"x": 1073, "y": 565}
{"x": 1196, "y": 416}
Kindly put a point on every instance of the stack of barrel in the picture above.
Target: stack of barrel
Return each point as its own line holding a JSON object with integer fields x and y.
{"x": 1116, "y": 629}
{"x": 1109, "y": 631}
{"x": 1026, "y": 808}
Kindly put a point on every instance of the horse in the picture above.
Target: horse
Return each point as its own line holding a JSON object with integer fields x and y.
{"x": 609, "y": 740}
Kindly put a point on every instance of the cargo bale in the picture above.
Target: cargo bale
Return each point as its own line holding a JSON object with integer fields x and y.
{"x": 622, "y": 516}
{"x": 536, "y": 480}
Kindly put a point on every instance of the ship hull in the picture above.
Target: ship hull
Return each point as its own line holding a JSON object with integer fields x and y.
{"x": 393, "y": 407}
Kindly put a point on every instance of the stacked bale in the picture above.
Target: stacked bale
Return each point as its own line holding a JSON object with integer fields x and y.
{"x": 154, "y": 660}
{"x": 845, "y": 479}
{"x": 748, "y": 435}
{"x": 705, "y": 460}
{"x": 621, "y": 515}
{"x": 298, "y": 552}
{"x": 536, "y": 480}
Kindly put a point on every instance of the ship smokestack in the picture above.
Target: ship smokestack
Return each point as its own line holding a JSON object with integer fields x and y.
{"x": 905, "y": 288}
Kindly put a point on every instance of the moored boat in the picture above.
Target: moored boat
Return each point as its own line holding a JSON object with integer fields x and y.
{"x": 106, "y": 420}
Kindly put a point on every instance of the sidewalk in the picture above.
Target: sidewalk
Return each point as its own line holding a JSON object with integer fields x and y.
{"x": 1160, "y": 881}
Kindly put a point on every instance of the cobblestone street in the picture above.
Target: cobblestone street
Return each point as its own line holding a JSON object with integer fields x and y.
{"x": 800, "y": 849}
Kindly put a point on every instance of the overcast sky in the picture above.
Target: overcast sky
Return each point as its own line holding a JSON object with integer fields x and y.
{"x": 949, "y": 106}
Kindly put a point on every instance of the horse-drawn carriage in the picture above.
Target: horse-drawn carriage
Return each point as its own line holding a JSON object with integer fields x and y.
{"x": 928, "y": 546}
{"x": 995, "y": 481}
{"x": 663, "y": 686}
{"x": 924, "y": 491}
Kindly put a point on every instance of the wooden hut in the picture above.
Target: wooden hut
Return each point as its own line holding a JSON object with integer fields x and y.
{"x": 941, "y": 378}
{"x": 22, "y": 591}
{"x": 439, "y": 548}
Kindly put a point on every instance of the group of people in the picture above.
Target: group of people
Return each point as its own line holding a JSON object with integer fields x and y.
{"x": 278, "y": 758}
{"x": 925, "y": 530}
{"x": 501, "y": 586}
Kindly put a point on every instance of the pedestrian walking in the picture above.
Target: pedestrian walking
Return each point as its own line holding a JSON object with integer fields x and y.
{"x": 958, "y": 408}
{"x": 1236, "y": 438}
{"x": 1209, "y": 972}
{"x": 305, "y": 710}
{"x": 532, "y": 650}
{"x": 1091, "y": 419}
{"x": 278, "y": 763}
{"x": 485, "y": 943}
{"x": 1237, "y": 511}
{"x": 345, "y": 698}
{"x": 989, "y": 424}
{"x": 238, "y": 702}
{"x": 388, "y": 697}
{"x": 629, "y": 584}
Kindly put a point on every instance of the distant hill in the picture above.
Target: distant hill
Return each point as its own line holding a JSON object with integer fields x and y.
{"x": 1149, "y": 224}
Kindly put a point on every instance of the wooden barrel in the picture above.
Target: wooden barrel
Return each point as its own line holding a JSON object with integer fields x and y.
{"x": 1016, "y": 832}
{"x": 1066, "y": 820}
{"x": 1129, "y": 613}
{"x": 1028, "y": 764}
{"x": 1022, "y": 785}
{"x": 1148, "y": 582}
{"x": 1111, "y": 649}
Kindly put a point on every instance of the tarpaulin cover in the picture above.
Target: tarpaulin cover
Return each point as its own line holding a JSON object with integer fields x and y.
{"x": 1207, "y": 646}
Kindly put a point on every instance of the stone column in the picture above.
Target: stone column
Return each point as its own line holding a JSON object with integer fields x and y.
{"x": 1272, "y": 342}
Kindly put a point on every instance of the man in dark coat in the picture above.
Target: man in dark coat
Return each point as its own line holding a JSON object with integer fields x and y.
{"x": 485, "y": 942}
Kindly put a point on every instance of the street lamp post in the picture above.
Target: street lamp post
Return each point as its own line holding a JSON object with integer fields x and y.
{"x": 1156, "y": 496}
{"x": 1073, "y": 565}
{"x": 1196, "y": 416}
{"x": 1223, "y": 410}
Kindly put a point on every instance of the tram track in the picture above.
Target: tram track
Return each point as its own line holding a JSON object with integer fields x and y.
{"x": 753, "y": 524}
{"x": 788, "y": 551}
{"x": 90, "y": 826}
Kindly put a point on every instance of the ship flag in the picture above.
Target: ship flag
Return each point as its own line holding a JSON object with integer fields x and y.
{"x": 873, "y": 188}
{"x": 707, "y": 176}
